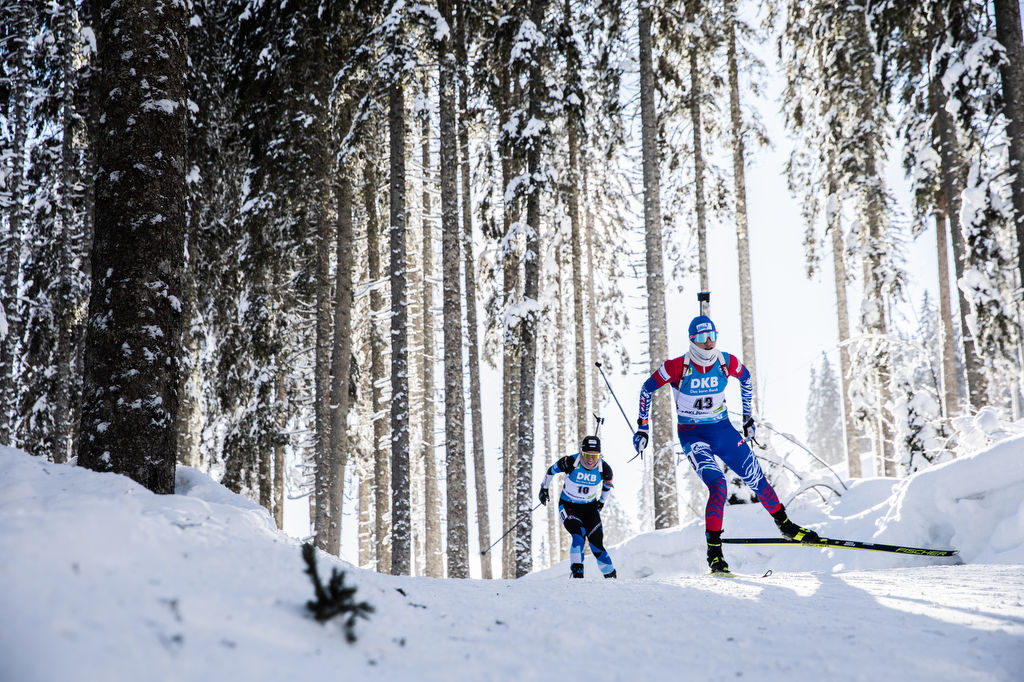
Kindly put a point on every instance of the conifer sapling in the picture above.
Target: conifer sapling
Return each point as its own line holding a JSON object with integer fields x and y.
{"x": 336, "y": 599}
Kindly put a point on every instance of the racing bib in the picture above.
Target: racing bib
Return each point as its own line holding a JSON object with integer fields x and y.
{"x": 582, "y": 485}
{"x": 700, "y": 398}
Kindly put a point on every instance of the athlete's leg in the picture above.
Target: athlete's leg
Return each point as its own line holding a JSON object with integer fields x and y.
{"x": 595, "y": 535}
{"x": 735, "y": 452}
{"x": 578, "y": 535}
{"x": 737, "y": 455}
{"x": 702, "y": 459}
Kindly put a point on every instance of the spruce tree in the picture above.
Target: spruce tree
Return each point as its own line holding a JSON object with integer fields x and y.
{"x": 1011, "y": 67}
{"x": 470, "y": 288}
{"x": 130, "y": 399}
{"x": 824, "y": 414}
{"x": 666, "y": 512}
{"x": 451, "y": 239}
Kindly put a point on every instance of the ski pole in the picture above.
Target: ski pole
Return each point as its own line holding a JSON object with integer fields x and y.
{"x": 612, "y": 391}
{"x": 800, "y": 445}
{"x": 521, "y": 519}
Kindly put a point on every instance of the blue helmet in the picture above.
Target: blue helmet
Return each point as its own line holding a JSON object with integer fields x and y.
{"x": 701, "y": 323}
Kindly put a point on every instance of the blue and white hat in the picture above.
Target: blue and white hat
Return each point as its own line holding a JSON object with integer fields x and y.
{"x": 700, "y": 324}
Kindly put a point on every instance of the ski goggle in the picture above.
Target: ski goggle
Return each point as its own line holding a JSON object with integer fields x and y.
{"x": 704, "y": 337}
{"x": 591, "y": 458}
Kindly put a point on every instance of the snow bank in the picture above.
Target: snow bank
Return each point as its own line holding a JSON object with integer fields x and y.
{"x": 97, "y": 569}
{"x": 103, "y": 581}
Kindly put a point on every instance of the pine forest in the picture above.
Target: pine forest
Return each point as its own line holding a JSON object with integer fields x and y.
{"x": 385, "y": 260}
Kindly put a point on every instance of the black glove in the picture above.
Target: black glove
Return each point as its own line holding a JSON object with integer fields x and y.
{"x": 748, "y": 427}
{"x": 543, "y": 496}
{"x": 600, "y": 505}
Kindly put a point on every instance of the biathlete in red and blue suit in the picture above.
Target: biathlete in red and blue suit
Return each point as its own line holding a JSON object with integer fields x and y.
{"x": 698, "y": 379}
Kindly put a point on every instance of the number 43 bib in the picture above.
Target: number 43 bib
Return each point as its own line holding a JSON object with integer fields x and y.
{"x": 700, "y": 398}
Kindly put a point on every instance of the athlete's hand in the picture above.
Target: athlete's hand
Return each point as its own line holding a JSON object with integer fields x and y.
{"x": 748, "y": 427}
{"x": 543, "y": 496}
{"x": 640, "y": 439}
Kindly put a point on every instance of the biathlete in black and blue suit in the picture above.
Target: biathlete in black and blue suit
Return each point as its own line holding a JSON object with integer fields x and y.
{"x": 587, "y": 485}
{"x": 698, "y": 379}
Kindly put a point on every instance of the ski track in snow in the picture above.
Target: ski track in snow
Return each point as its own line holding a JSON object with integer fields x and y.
{"x": 938, "y": 622}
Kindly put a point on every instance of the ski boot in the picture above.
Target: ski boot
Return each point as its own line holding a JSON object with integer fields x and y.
{"x": 610, "y": 575}
{"x": 575, "y": 570}
{"x": 791, "y": 530}
{"x": 715, "y": 559}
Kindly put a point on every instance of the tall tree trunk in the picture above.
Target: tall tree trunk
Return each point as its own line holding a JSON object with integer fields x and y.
{"x": 510, "y": 398}
{"x": 562, "y": 421}
{"x": 951, "y": 170}
{"x": 130, "y": 400}
{"x": 20, "y": 16}
{"x": 740, "y": 197}
{"x": 282, "y": 417}
{"x": 414, "y": 323}
{"x": 698, "y": 171}
{"x": 595, "y": 354}
{"x": 528, "y": 323}
{"x": 265, "y": 479}
{"x": 950, "y": 394}
{"x": 875, "y": 313}
{"x": 326, "y": 515}
{"x": 341, "y": 357}
{"x": 666, "y": 507}
{"x": 573, "y": 124}
{"x": 577, "y": 285}
{"x": 432, "y": 541}
{"x": 454, "y": 392}
{"x": 366, "y": 506}
{"x": 401, "y": 521}
{"x": 1008, "y": 32}
{"x": 554, "y": 527}
{"x": 71, "y": 183}
{"x": 378, "y": 349}
{"x": 188, "y": 450}
{"x": 475, "y": 403}
{"x": 833, "y": 220}
{"x": 510, "y": 355}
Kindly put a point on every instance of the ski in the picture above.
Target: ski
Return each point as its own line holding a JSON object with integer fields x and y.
{"x": 730, "y": 574}
{"x": 849, "y": 544}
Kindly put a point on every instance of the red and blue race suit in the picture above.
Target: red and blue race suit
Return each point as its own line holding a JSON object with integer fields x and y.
{"x": 704, "y": 427}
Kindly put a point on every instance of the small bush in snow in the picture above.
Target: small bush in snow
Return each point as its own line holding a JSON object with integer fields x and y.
{"x": 336, "y": 599}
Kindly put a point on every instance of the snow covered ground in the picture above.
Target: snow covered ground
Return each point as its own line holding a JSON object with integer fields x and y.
{"x": 100, "y": 580}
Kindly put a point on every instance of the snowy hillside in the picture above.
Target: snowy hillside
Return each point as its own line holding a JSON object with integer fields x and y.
{"x": 100, "y": 580}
